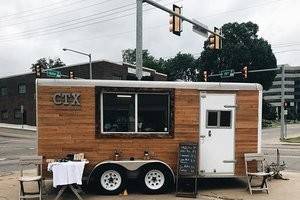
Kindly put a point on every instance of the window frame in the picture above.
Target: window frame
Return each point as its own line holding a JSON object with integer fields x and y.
{"x": 99, "y": 112}
{"x": 218, "y": 119}
{"x": 22, "y": 84}
{"x": 2, "y": 112}
{"x": 15, "y": 113}
{"x": 1, "y": 94}
{"x": 136, "y": 113}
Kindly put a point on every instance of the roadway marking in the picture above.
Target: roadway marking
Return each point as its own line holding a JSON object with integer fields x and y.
{"x": 2, "y": 159}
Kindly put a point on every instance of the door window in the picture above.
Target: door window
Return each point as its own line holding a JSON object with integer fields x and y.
{"x": 218, "y": 119}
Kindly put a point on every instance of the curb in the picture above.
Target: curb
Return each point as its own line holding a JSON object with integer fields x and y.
{"x": 18, "y": 127}
{"x": 14, "y": 135}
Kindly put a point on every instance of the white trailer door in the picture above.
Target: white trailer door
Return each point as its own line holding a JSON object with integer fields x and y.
{"x": 217, "y": 127}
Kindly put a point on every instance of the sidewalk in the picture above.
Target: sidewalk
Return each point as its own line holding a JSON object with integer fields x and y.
{"x": 18, "y": 127}
{"x": 227, "y": 189}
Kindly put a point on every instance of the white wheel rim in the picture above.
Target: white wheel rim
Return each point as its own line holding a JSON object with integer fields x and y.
{"x": 111, "y": 180}
{"x": 154, "y": 179}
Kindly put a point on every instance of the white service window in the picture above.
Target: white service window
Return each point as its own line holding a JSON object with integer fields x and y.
{"x": 153, "y": 112}
{"x": 135, "y": 112}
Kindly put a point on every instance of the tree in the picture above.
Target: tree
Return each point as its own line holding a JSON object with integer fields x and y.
{"x": 129, "y": 56}
{"x": 182, "y": 66}
{"x": 268, "y": 111}
{"x": 241, "y": 47}
{"x": 47, "y": 64}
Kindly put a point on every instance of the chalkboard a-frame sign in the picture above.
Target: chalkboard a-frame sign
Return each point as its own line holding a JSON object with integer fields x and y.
{"x": 187, "y": 169}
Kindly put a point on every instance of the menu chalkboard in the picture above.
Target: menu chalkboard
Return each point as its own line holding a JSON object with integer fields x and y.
{"x": 188, "y": 159}
{"x": 187, "y": 170}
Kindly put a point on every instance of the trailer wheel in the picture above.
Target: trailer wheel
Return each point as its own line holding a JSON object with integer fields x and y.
{"x": 155, "y": 179}
{"x": 110, "y": 180}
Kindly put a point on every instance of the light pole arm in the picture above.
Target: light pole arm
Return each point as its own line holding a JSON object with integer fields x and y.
{"x": 86, "y": 54}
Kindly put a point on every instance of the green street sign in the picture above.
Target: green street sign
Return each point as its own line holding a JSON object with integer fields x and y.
{"x": 53, "y": 74}
{"x": 227, "y": 73}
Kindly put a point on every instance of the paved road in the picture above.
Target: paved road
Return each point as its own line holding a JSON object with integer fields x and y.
{"x": 12, "y": 146}
{"x": 288, "y": 153}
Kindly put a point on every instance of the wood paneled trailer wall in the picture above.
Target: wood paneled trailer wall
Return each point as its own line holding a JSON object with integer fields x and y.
{"x": 69, "y": 129}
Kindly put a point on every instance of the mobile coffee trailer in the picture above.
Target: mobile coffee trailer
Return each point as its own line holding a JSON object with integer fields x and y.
{"x": 137, "y": 126}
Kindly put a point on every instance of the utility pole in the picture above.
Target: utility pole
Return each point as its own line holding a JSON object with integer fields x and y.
{"x": 139, "y": 39}
{"x": 282, "y": 114}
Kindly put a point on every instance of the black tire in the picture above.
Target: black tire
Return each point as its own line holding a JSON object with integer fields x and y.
{"x": 167, "y": 185}
{"x": 102, "y": 185}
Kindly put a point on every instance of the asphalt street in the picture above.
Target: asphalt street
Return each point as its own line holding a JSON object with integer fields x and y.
{"x": 15, "y": 143}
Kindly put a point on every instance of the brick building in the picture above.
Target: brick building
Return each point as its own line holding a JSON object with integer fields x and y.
{"x": 19, "y": 90}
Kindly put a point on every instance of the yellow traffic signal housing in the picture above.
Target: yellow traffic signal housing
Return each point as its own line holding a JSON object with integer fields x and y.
{"x": 175, "y": 22}
{"x": 214, "y": 41}
{"x": 245, "y": 72}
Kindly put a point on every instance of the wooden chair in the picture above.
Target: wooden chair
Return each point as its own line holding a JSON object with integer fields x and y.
{"x": 26, "y": 161}
{"x": 259, "y": 161}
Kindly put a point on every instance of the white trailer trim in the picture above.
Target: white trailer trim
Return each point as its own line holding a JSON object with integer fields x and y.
{"x": 259, "y": 128}
{"x": 150, "y": 84}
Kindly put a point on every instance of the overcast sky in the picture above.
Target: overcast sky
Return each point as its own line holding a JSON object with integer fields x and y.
{"x": 31, "y": 29}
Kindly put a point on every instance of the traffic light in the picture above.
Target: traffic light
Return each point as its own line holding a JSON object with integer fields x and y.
{"x": 71, "y": 75}
{"x": 37, "y": 71}
{"x": 205, "y": 76}
{"x": 245, "y": 72}
{"x": 286, "y": 105}
{"x": 175, "y": 22}
{"x": 214, "y": 41}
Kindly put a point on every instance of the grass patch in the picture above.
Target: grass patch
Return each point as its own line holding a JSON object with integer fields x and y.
{"x": 292, "y": 140}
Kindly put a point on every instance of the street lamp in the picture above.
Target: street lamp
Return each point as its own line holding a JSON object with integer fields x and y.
{"x": 86, "y": 54}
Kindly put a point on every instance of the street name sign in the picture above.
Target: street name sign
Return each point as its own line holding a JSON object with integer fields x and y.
{"x": 53, "y": 74}
{"x": 227, "y": 73}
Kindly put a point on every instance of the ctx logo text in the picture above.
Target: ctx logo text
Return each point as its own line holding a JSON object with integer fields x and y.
{"x": 66, "y": 99}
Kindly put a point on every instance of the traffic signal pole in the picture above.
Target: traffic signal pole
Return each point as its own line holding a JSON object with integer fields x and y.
{"x": 139, "y": 39}
{"x": 139, "y": 30}
{"x": 282, "y": 114}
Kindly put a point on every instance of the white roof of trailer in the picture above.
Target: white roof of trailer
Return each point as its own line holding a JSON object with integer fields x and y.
{"x": 149, "y": 84}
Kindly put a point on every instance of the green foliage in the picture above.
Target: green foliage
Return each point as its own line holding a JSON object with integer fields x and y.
{"x": 182, "y": 66}
{"x": 241, "y": 47}
{"x": 268, "y": 111}
{"x": 129, "y": 56}
{"x": 47, "y": 63}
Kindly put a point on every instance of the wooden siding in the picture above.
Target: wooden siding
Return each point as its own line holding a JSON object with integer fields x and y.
{"x": 63, "y": 130}
{"x": 246, "y": 127}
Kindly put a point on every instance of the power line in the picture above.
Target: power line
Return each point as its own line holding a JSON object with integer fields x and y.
{"x": 69, "y": 22}
{"x": 291, "y": 50}
{"x": 56, "y": 14}
{"x": 77, "y": 27}
{"x": 241, "y": 9}
{"x": 66, "y": 23}
{"x": 40, "y": 10}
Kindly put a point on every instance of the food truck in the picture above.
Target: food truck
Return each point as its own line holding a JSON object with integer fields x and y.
{"x": 136, "y": 126}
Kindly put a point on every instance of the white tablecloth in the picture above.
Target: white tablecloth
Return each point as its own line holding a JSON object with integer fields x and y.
{"x": 65, "y": 173}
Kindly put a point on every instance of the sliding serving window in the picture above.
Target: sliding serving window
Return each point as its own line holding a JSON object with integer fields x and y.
{"x": 135, "y": 113}
{"x": 118, "y": 112}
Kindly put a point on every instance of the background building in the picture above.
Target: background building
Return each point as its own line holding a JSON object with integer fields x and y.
{"x": 19, "y": 90}
{"x": 291, "y": 84}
